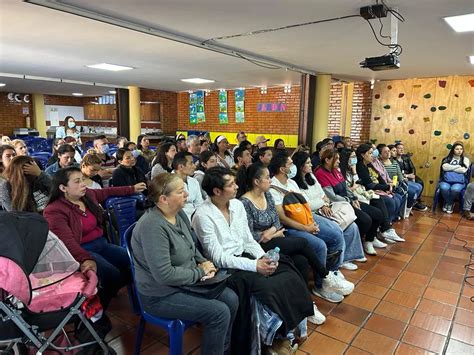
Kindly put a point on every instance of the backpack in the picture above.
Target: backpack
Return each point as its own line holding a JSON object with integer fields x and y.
{"x": 295, "y": 206}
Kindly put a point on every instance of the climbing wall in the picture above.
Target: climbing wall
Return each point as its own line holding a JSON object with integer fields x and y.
{"x": 427, "y": 115}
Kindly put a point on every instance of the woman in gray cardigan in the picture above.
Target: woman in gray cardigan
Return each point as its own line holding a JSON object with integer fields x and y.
{"x": 166, "y": 258}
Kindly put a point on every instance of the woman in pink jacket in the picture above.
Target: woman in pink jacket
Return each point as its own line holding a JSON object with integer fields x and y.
{"x": 75, "y": 216}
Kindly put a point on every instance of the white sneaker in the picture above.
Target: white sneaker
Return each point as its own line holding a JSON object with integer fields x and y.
{"x": 361, "y": 260}
{"x": 349, "y": 266}
{"x": 378, "y": 244}
{"x": 338, "y": 283}
{"x": 392, "y": 235}
{"x": 407, "y": 212}
{"x": 327, "y": 294}
{"x": 317, "y": 318}
{"x": 369, "y": 248}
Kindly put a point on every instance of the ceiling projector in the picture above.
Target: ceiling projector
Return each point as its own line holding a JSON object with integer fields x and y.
{"x": 385, "y": 62}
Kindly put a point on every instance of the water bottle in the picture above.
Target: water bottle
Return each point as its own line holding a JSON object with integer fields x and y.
{"x": 273, "y": 255}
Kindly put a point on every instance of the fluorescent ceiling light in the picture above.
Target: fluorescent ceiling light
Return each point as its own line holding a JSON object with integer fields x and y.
{"x": 77, "y": 94}
{"x": 461, "y": 23}
{"x": 113, "y": 92}
{"x": 111, "y": 67}
{"x": 198, "y": 81}
{"x": 471, "y": 59}
{"x": 2, "y": 85}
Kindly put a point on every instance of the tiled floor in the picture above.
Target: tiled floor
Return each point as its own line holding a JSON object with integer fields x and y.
{"x": 410, "y": 299}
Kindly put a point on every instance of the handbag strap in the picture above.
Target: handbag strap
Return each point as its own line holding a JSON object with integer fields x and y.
{"x": 279, "y": 189}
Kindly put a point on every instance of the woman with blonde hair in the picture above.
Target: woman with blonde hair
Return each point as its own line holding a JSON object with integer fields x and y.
{"x": 20, "y": 147}
{"x": 90, "y": 167}
{"x": 25, "y": 188}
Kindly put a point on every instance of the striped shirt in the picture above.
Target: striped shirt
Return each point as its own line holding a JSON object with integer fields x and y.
{"x": 393, "y": 169}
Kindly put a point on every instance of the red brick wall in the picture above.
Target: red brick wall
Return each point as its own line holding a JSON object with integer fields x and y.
{"x": 169, "y": 107}
{"x": 335, "y": 99}
{"x": 11, "y": 114}
{"x": 255, "y": 122}
{"x": 361, "y": 111}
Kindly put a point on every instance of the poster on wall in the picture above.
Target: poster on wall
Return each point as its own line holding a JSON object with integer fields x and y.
{"x": 192, "y": 108}
{"x": 223, "y": 118}
{"x": 201, "y": 116}
{"x": 239, "y": 105}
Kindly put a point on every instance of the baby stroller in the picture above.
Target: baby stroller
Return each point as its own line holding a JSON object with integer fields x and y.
{"x": 41, "y": 290}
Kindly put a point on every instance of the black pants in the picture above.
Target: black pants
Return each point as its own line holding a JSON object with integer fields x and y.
{"x": 419, "y": 181}
{"x": 368, "y": 220}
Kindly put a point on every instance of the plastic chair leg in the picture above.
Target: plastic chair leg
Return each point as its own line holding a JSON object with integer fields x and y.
{"x": 139, "y": 335}
{"x": 176, "y": 338}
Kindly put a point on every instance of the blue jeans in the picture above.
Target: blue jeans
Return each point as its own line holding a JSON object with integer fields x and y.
{"x": 401, "y": 199}
{"x": 113, "y": 267}
{"x": 354, "y": 249}
{"x": 393, "y": 206}
{"x": 216, "y": 315}
{"x": 414, "y": 192}
{"x": 450, "y": 191}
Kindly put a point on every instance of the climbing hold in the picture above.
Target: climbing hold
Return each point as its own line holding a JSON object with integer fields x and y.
{"x": 433, "y": 109}
{"x": 456, "y": 95}
{"x": 431, "y": 182}
{"x": 442, "y": 83}
{"x": 449, "y": 146}
{"x": 376, "y": 118}
{"x": 468, "y": 109}
{"x": 427, "y": 96}
{"x": 417, "y": 86}
{"x": 426, "y": 119}
{"x": 471, "y": 82}
{"x": 423, "y": 142}
{"x": 387, "y": 130}
{"x": 437, "y": 133}
{"x": 377, "y": 96}
{"x": 441, "y": 108}
{"x": 434, "y": 158}
{"x": 400, "y": 95}
{"x": 399, "y": 118}
{"x": 411, "y": 131}
{"x": 467, "y": 136}
{"x": 389, "y": 87}
{"x": 414, "y": 106}
{"x": 387, "y": 107}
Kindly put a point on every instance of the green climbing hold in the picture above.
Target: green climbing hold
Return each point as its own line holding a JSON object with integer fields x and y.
{"x": 441, "y": 108}
{"x": 399, "y": 118}
{"x": 449, "y": 146}
{"x": 427, "y": 96}
{"x": 433, "y": 109}
{"x": 387, "y": 107}
{"x": 437, "y": 133}
{"x": 467, "y": 136}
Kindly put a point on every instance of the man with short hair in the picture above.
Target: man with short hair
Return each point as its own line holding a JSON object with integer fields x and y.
{"x": 101, "y": 146}
{"x": 261, "y": 141}
{"x": 241, "y": 136}
{"x": 184, "y": 167}
{"x": 264, "y": 156}
{"x": 326, "y": 143}
{"x": 415, "y": 184}
{"x": 193, "y": 146}
{"x": 181, "y": 143}
{"x": 242, "y": 157}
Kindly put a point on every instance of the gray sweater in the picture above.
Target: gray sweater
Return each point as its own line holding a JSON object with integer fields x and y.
{"x": 165, "y": 255}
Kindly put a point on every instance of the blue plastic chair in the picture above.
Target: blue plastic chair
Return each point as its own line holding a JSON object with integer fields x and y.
{"x": 42, "y": 157}
{"x": 174, "y": 327}
{"x": 121, "y": 213}
{"x": 437, "y": 193}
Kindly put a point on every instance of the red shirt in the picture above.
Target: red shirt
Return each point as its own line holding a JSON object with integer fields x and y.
{"x": 90, "y": 229}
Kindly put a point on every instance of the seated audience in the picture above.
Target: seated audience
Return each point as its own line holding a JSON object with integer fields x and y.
{"x": 69, "y": 128}
{"x": 247, "y": 145}
{"x": 141, "y": 162}
{"x": 468, "y": 208}
{"x": 261, "y": 142}
{"x": 20, "y": 147}
{"x": 264, "y": 224}
{"x": 7, "y": 153}
{"x": 242, "y": 157}
{"x": 126, "y": 173}
{"x": 204, "y": 145}
{"x": 120, "y": 141}
{"x": 90, "y": 167}
{"x": 279, "y": 144}
{"x": 453, "y": 176}
{"x": 224, "y": 156}
{"x": 75, "y": 216}
{"x": 6, "y": 140}
{"x": 57, "y": 142}
{"x": 24, "y": 187}
{"x": 207, "y": 160}
{"x": 65, "y": 159}
{"x": 347, "y": 142}
{"x": 184, "y": 167}
{"x": 143, "y": 145}
{"x": 264, "y": 156}
{"x": 162, "y": 162}
{"x": 302, "y": 148}
{"x": 222, "y": 227}
{"x": 409, "y": 171}
{"x": 326, "y": 143}
{"x": 324, "y": 236}
{"x": 373, "y": 214}
{"x": 77, "y": 150}
{"x": 193, "y": 146}
{"x": 166, "y": 258}
{"x": 371, "y": 179}
{"x": 319, "y": 203}
{"x": 339, "y": 145}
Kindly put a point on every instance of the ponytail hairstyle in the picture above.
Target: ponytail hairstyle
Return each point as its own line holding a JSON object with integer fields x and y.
{"x": 246, "y": 177}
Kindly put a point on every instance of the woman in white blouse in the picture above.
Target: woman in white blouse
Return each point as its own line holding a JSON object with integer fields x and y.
{"x": 222, "y": 227}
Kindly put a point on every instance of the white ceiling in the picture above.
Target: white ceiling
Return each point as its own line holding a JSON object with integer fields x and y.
{"x": 43, "y": 42}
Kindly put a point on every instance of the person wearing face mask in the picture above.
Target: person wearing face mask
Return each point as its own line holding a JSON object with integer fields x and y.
{"x": 127, "y": 173}
{"x": 324, "y": 236}
{"x": 453, "y": 179}
{"x": 141, "y": 161}
{"x": 69, "y": 128}
{"x": 101, "y": 147}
